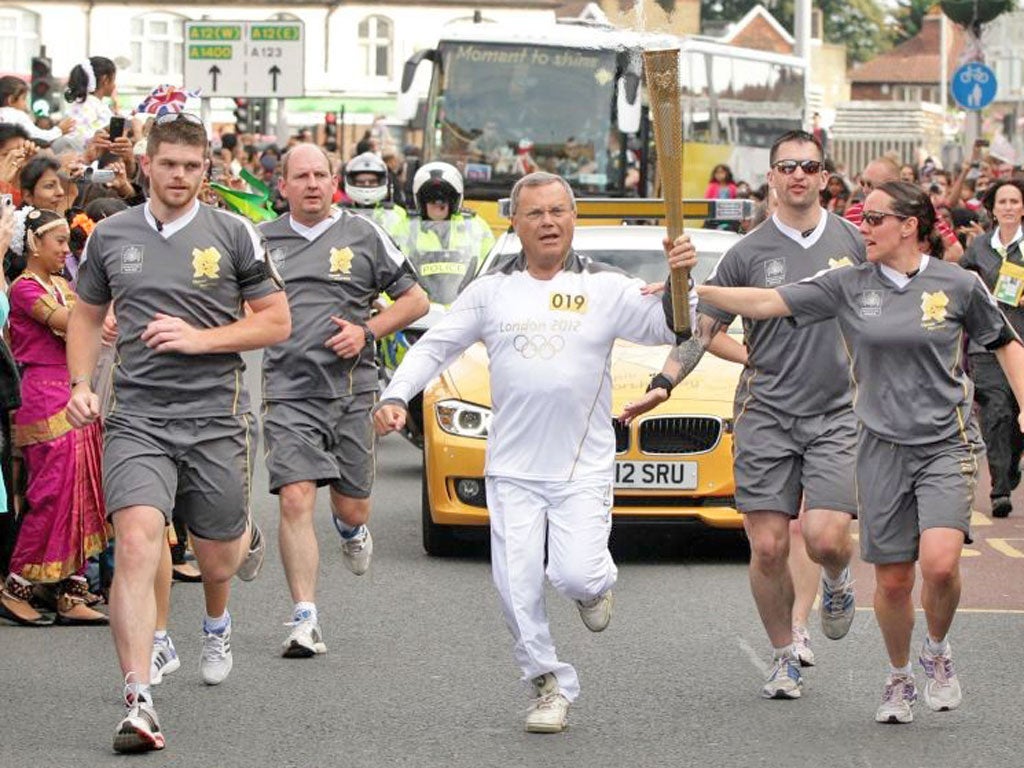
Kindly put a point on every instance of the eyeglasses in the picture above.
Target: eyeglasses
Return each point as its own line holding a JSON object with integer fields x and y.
{"x": 875, "y": 218}
{"x": 174, "y": 117}
{"x": 555, "y": 212}
{"x": 788, "y": 167}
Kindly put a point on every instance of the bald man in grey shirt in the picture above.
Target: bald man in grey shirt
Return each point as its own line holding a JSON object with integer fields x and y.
{"x": 795, "y": 432}
{"x": 320, "y": 384}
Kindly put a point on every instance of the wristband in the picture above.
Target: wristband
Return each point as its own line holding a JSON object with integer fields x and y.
{"x": 79, "y": 380}
{"x": 660, "y": 381}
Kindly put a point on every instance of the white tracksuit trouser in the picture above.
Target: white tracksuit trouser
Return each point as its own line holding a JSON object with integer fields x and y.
{"x": 576, "y": 518}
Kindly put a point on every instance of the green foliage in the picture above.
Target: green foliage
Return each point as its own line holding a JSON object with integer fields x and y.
{"x": 860, "y": 25}
{"x": 909, "y": 18}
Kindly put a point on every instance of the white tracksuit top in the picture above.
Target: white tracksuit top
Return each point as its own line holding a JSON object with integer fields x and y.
{"x": 549, "y": 344}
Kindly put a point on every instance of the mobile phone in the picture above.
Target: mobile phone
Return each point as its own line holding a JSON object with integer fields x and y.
{"x": 116, "y": 127}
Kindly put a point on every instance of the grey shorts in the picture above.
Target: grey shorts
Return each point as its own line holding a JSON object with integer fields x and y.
{"x": 906, "y": 489}
{"x": 197, "y": 470}
{"x": 780, "y": 461}
{"x": 327, "y": 441}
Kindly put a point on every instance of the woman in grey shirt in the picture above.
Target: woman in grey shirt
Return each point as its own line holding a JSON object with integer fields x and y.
{"x": 902, "y": 316}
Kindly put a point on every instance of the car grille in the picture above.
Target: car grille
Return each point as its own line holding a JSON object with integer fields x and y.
{"x": 679, "y": 434}
{"x": 621, "y": 436}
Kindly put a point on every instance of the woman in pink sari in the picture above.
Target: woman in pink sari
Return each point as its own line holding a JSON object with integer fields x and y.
{"x": 64, "y": 524}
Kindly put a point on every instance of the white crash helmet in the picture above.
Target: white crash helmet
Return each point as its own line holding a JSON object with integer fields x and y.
{"x": 435, "y": 181}
{"x": 367, "y": 162}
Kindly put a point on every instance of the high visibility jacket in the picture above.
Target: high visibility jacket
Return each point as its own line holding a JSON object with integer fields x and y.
{"x": 446, "y": 254}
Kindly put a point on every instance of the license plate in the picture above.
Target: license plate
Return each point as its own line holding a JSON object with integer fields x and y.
{"x": 656, "y": 474}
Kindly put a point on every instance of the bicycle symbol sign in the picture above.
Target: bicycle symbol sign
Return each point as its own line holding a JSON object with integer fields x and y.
{"x": 974, "y": 86}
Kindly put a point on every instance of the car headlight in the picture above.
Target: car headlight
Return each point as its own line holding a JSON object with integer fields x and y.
{"x": 463, "y": 419}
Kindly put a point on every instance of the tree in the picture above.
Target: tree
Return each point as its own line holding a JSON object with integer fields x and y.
{"x": 909, "y": 18}
{"x": 860, "y": 25}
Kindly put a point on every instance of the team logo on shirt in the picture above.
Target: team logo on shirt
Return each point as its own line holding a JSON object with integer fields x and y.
{"x": 933, "y": 309}
{"x": 341, "y": 262}
{"x": 774, "y": 272}
{"x": 205, "y": 265}
{"x": 869, "y": 304}
{"x": 277, "y": 256}
{"x": 842, "y": 261}
{"x": 131, "y": 259}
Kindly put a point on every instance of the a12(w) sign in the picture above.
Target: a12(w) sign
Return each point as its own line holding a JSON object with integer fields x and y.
{"x": 263, "y": 59}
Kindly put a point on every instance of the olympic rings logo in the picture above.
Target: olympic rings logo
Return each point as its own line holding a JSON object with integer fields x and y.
{"x": 544, "y": 347}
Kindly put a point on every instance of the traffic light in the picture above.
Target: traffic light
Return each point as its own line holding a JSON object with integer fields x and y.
{"x": 43, "y": 93}
{"x": 331, "y": 132}
{"x": 243, "y": 118}
{"x": 259, "y": 115}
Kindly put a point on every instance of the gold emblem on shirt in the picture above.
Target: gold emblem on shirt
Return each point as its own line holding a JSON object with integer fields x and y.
{"x": 842, "y": 261}
{"x": 933, "y": 309}
{"x": 341, "y": 261}
{"x": 206, "y": 265}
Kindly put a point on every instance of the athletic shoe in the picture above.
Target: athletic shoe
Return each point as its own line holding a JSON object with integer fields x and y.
{"x": 837, "y": 607}
{"x": 942, "y": 691}
{"x": 164, "y": 661}
{"x": 802, "y": 647}
{"x": 784, "y": 679}
{"x": 305, "y": 639}
{"x": 549, "y": 712}
{"x": 357, "y": 550}
{"x": 215, "y": 662}
{"x": 250, "y": 567}
{"x": 596, "y": 613}
{"x": 139, "y": 729}
{"x": 1001, "y": 506}
{"x": 898, "y": 698}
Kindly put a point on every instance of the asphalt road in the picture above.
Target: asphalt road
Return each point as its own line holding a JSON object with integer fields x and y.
{"x": 419, "y": 669}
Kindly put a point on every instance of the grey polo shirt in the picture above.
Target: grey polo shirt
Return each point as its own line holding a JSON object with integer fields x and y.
{"x": 796, "y": 371}
{"x": 336, "y": 268}
{"x": 200, "y": 268}
{"x": 905, "y": 343}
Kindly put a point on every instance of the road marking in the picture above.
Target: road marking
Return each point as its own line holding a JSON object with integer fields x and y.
{"x": 1003, "y": 546}
{"x": 978, "y": 519}
{"x": 759, "y": 665}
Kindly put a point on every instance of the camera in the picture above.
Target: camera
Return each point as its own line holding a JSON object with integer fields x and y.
{"x": 98, "y": 175}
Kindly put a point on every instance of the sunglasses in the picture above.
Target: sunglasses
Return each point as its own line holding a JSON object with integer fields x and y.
{"x": 174, "y": 117}
{"x": 788, "y": 167}
{"x": 875, "y": 218}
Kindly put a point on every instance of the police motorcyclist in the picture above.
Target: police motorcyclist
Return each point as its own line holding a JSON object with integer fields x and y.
{"x": 446, "y": 243}
{"x": 369, "y": 191}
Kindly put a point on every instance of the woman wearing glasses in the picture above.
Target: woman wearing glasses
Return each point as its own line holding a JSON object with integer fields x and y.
{"x": 903, "y": 316}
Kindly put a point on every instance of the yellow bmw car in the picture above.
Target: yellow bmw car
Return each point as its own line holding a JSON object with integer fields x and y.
{"x": 674, "y": 464}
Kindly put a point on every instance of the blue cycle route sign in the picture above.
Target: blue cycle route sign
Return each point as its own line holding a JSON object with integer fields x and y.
{"x": 974, "y": 86}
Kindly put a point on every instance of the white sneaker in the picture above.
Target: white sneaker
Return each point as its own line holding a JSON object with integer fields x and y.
{"x": 250, "y": 567}
{"x": 838, "y": 606}
{"x": 215, "y": 662}
{"x": 549, "y": 712}
{"x": 304, "y": 641}
{"x": 802, "y": 647}
{"x": 163, "y": 661}
{"x": 357, "y": 550}
{"x": 139, "y": 729}
{"x": 597, "y": 613}
{"x": 784, "y": 679}
{"x": 942, "y": 691}
{"x": 898, "y": 698}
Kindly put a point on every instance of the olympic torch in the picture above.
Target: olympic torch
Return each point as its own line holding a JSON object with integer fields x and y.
{"x": 661, "y": 69}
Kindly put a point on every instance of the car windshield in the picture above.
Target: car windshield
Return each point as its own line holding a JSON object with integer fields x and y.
{"x": 649, "y": 266}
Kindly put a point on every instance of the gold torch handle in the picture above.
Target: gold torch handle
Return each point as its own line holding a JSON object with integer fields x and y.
{"x": 661, "y": 69}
